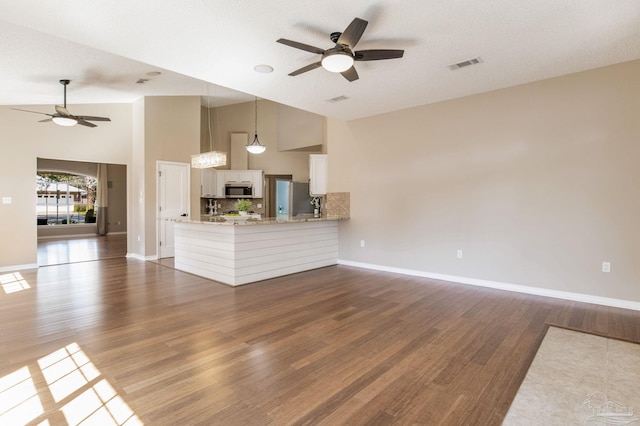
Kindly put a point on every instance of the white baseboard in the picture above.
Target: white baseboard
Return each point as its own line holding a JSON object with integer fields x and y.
{"x": 141, "y": 257}
{"x": 70, "y": 236}
{"x": 18, "y": 267}
{"x": 557, "y": 294}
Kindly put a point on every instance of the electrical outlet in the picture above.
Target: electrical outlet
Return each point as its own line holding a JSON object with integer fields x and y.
{"x": 459, "y": 254}
{"x": 361, "y": 243}
{"x": 259, "y": 205}
{"x": 606, "y": 266}
{"x": 6, "y": 200}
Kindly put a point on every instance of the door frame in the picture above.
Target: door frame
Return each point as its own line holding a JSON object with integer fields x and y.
{"x": 159, "y": 220}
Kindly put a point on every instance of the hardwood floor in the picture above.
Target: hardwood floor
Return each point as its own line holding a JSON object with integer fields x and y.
{"x": 81, "y": 249}
{"x": 337, "y": 345}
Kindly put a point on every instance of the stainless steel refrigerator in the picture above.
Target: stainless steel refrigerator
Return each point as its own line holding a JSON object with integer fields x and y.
{"x": 292, "y": 199}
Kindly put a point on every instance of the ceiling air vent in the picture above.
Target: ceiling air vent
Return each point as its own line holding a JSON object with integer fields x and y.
{"x": 466, "y": 63}
{"x": 338, "y": 99}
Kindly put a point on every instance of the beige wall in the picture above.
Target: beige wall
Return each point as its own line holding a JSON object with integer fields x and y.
{"x": 537, "y": 184}
{"x": 240, "y": 118}
{"x": 24, "y": 140}
{"x": 300, "y": 130}
{"x": 117, "y": 196}
{"x": 136, "y": 231}
{"x": 171, "y": 133}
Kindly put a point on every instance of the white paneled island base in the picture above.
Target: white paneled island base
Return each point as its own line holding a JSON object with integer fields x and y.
{"x": 242, "y": 253}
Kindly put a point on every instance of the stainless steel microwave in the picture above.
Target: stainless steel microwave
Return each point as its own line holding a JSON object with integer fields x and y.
{"x": 238, "y": 190}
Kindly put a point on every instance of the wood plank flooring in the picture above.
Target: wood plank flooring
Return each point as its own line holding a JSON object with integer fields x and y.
{"x": 337, "y": 345}
{"x": 81, "y": 249}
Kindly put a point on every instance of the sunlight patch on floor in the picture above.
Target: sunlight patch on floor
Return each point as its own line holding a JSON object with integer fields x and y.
{"x": 13, "y": 282}
{"x": 19, "y": 401}
{"x": 73, "y": 383}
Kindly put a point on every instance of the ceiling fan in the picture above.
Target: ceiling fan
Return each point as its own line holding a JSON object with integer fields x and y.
{"x": 341, "y": 57}
{"x": 63, "y": 117}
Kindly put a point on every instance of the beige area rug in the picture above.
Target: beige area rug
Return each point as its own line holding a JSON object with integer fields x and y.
{"x": 579, "y": 379}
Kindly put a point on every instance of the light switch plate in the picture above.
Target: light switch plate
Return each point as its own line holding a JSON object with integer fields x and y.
{"x": 6, "y": 200}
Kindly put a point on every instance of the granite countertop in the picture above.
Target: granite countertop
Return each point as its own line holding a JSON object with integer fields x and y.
{"x": 219, "y": 220}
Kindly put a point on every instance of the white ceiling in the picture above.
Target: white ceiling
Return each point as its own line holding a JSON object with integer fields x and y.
{"x": 105, "y": 47}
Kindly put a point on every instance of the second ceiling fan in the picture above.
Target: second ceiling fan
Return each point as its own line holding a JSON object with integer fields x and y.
{"x": 341, "y": 57}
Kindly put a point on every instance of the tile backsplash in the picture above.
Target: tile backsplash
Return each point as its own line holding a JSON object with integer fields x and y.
{"x": 337, "y": 204}
{"x": 333, "y": 205}
{"x": 228, "y": 204}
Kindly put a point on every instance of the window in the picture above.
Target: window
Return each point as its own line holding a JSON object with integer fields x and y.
{"x": 65, "y": 199}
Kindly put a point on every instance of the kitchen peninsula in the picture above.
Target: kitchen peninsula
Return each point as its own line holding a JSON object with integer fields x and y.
{"x": 237, "y": 253}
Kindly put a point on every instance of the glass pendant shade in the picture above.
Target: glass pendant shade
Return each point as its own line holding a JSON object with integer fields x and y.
{"x": 256, "y": 147}
{"x": 209, "y": 159}
{"x": 337, "y": 61}
{"x": 65, "y": 121}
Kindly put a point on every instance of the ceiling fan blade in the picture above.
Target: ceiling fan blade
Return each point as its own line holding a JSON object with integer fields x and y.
{"x": 46, "y": 120}
{"x": 307, "y": 68}
{"x": 91, "y": 118}
{"x": 351, "y": 35}
{"x": 377, "y": 54}
{"x": 85, "y": 123}
{"x": 63, "y": 111}
{"x": 33, "y": 112}
{"x": 301, "y": 46}
{"x": 351, "y": 74}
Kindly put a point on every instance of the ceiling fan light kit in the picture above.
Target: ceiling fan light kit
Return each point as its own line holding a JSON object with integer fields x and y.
{"x": 340, "y": 59}
{"x": 65, "y": 121}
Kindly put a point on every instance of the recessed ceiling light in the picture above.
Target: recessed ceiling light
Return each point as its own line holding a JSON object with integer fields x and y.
{"x": 153, "y": 73}
{"x": 265, "y": 69}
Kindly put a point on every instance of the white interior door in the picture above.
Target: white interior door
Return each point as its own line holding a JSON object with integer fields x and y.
{"x": 173, "y": 202}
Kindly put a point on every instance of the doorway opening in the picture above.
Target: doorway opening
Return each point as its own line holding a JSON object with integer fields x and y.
{"x": 67, "y": 212}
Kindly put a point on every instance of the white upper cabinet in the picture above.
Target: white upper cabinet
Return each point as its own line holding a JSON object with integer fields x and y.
{"x": 208, "y": 183}
{"x": 318, "y": 174}
{"x": 237, "y": 176}
{"x": 220, "y": 183}
{"x": 257, "y": 183}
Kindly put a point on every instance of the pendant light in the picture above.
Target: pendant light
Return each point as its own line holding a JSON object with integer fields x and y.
{"x": 256, "y": 147}
{"x": 212, "y": 158}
